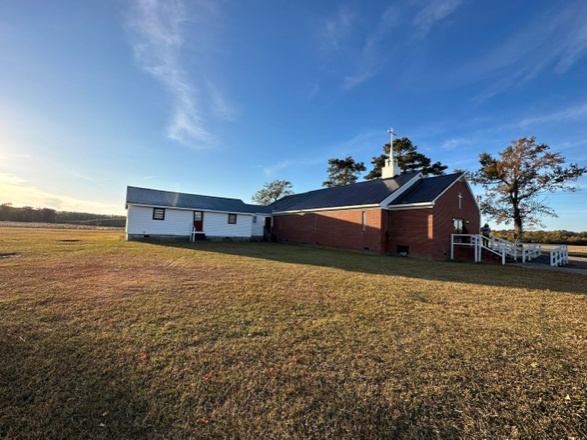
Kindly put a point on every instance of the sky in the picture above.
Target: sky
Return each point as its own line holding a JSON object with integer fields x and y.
{"x": 219, "y": 97}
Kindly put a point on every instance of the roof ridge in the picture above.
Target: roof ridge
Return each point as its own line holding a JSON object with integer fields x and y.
{"x": 350, "y": 184}
{"x": 186, "y": 194}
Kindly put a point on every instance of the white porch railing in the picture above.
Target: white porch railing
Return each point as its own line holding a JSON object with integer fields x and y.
{"x": 559, "y": 256}
{"x": 498, "y": 246}
{"x": 194, "y": 233}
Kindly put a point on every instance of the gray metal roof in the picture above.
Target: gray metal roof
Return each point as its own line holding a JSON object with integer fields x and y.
{"x": 426, "y": 190}
{"x": 362, "y": 193}
{"x": 154, "y": 197}
{"x": 260, "y": 209}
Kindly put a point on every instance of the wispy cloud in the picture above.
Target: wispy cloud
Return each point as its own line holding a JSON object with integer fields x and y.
{"x": 270, "y": 170}
{"x": 575, "y": 112}
{"x": 15, "y": 189}
{"x": 358, "y": 144}
{"x": 453, "y": 143}
{"x": 336, "y": 29}
{"x": 220, "y": 104}
{"x": 88, "y": 178}
{"x": 370, "y": 59}
{"x": 554, "y": 41}
{"x": 158, "y": 36}
{"x": 433, "y": 12}
{"x": 312, "y": 90}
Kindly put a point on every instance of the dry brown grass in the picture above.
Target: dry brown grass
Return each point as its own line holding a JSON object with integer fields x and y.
{"x": 7, "y": 224}
{"x": 103, "y": 338}
{"x": 572, "y": 248}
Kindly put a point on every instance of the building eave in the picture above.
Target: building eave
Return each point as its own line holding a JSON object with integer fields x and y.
{"x": 423, "y": 205}
{"x": 332, "y": 208}
{"x": 142, "y": 205}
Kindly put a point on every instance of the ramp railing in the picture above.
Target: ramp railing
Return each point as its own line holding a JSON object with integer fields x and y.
{"x": 559, "y": 256}
{"x": 498, "y": 246}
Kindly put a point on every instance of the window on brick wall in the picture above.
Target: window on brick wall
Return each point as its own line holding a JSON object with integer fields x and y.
{"x": 364, "y": 221}
{"x": 458, "y": 225}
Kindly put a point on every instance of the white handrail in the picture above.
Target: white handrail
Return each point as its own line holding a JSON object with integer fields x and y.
{"x": 498, "y": 246}
{"x": 559, "y": 256}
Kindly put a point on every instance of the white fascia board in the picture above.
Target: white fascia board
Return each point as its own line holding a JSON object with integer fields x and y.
{"x": 189, "y": 209}
{"x": 333, "y": 208}
{"x": 401, "y": 190}
{"x": 422, "y": 205}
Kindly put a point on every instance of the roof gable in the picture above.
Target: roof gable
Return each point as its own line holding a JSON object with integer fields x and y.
{"x": 369, "y": 192}
{"x": 426, "y": 190}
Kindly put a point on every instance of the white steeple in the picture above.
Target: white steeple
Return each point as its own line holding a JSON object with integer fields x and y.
{"x": 391, "y": 168}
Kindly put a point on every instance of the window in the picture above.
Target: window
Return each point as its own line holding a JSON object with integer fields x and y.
{"x": 158, "y": 213}
{"x": 458, "y": 225}
{"x": 458, "y": 228}
{"x": 198, "y": 216}
{"x": 364, "y": 221}
{"x": 315, "y": 222}
{"x": 232, "y": 219}
{"x": 254, "y": 219}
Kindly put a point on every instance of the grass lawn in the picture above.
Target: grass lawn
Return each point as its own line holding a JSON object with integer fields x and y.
{"x": 101, "y": 338}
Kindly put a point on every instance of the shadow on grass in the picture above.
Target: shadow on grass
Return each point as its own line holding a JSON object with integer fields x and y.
{"x": 451, "y": 271}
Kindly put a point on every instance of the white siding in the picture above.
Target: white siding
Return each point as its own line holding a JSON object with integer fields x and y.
{"x": 258, "y": 227}
{"x": 179, "y": 222}
{"x": 216, "y": 225}
{"x": 140, "y": 221}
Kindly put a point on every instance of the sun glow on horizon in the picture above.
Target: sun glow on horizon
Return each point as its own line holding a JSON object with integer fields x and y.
{"x": 20, "y": 192}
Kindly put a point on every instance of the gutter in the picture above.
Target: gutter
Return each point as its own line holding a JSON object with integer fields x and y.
{"x": 332, "y": 208}
{"x": 422, "y": 205}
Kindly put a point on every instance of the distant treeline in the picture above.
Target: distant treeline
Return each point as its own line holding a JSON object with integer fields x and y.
{"x": 47, "y": 215}
{"x": 555, "y": 237}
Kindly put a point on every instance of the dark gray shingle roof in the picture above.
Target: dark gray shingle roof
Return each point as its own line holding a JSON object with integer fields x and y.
{"x": 362, "y": 193}
{"x": 154, "y": 197}
{"x": 426, "y": 190}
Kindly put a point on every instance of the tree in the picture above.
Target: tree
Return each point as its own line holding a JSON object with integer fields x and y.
{"x": 272, "y": 191}
{"x": 343, "y": 171}
{"x": 515, "y": 182}
{"x": 408, "y": 159}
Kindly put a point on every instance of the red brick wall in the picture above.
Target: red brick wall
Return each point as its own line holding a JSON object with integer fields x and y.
{"x": 447, "y": 208}
{"x": 340, "y": 229}
{"x": 427, "y": 231}
{"x": 410, "y": 227}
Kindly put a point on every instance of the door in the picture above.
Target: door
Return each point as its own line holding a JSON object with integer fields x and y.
{"x": 198, "y": 221}
{"x": 268, "y": 224}
{"x": 458, "y": 225}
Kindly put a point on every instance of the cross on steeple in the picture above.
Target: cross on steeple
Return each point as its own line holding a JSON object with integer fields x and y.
{"x": 390, "y": 167}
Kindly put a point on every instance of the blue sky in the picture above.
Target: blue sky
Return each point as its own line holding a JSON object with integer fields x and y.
{"x": 219, "y": 97}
